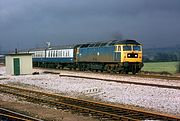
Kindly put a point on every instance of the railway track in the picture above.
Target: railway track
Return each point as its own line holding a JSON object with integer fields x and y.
{"x": 84, "y": 106}
{"x": 8, "y": 115}
{"x": 125, "y": 82}
{"x": 150, "y": 75}
{"x": 119, "y": 81}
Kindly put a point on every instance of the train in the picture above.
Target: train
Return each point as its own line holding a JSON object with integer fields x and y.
{"x": 118, "y": 56}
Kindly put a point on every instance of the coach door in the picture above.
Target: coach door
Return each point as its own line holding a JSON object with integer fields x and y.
{"x": 16, "y": 66}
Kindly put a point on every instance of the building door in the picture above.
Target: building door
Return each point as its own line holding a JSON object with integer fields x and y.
{"x": 16, "y": 66}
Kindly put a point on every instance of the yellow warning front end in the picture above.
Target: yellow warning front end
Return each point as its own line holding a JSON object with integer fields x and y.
{"x": 131, "y": 53}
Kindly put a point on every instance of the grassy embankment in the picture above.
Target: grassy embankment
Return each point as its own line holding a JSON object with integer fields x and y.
{"x": 170, "y": 67}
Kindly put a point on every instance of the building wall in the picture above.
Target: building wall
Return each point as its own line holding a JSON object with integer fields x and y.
{"x": 25, "y": 64}
{"x": 9, "y": 65}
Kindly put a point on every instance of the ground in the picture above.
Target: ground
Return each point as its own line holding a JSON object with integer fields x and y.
{"x": 39, "y": 111}
{"x": 134, "y": 96}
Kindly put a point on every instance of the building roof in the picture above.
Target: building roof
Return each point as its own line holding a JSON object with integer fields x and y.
{"x": 18, "y": 54}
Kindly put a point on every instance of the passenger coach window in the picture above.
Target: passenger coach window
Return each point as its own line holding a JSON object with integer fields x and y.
{"x": 136, "y": 48}
{"x": 49, "y": 54}
{"x": 127, "y": 48}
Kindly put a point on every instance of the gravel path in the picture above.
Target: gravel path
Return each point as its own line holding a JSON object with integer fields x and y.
{"x": 160, "y": 99}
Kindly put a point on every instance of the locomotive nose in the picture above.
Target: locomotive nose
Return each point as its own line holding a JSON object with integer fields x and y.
{"x": 132, "y": 55}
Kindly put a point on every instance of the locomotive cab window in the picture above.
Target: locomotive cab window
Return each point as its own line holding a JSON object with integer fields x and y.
{"x": 127, "y": 48}
{"x": 136, "y": 48}
{"x": 118, "y": 48}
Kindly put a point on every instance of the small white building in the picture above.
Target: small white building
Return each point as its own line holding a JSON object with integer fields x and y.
{"x": 19, "y": 63}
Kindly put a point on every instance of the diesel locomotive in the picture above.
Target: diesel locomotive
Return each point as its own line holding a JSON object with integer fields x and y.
{"x": 112, "y": 56}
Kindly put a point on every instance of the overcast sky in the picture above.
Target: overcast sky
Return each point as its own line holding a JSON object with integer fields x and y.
{"x": 31, "y": 23}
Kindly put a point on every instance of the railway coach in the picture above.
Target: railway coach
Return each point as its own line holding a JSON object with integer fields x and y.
{"x": 113, "y": 56}
{"x": 53, "y": 57}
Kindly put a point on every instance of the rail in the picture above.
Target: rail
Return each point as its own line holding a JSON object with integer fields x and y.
{"x": 125, "y": 82}
{"x": 168, "y": 77}
{"x": 8, "y": 115}
{"x": 84, "y": 106}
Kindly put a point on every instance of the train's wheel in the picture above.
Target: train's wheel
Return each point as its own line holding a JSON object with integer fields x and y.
{"x": 120, "y": 72}
{"x": 134, "y": 70}
{"x": 109, "y": 69}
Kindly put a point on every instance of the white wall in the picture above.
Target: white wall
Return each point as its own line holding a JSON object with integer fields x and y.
{"x": 25, "y": 64}
{"x": 9, "y": 65}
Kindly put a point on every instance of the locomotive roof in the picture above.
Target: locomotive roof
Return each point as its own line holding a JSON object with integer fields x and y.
{"x": 107, "y": 43}
{"x": 128, "y": 42}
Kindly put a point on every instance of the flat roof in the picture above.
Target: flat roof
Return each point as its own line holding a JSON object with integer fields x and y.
{"x": 18, "y": 54}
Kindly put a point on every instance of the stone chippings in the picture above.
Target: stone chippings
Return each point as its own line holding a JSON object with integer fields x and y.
{"x": 160, "y": 99}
